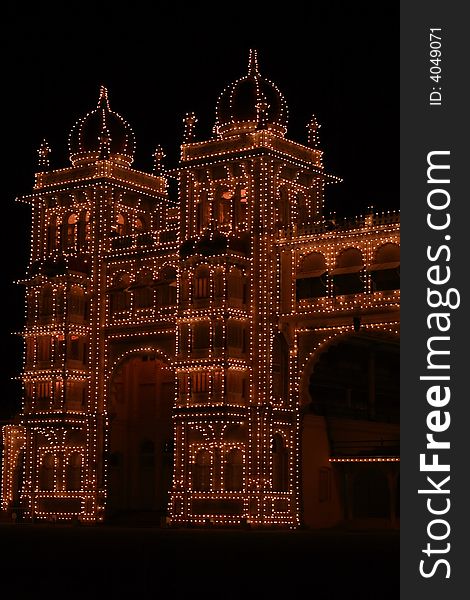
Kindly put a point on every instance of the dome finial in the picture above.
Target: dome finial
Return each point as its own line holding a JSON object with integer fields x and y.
{"x": 253, "y": 63}
{"x": 43, "y": 152}
{"x": 103, "y": 99}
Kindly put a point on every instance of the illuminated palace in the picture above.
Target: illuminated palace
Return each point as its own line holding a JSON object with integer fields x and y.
{"x": 227, "y": 357}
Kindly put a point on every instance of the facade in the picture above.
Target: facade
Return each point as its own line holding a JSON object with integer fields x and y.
{"x": 225, "y": 357}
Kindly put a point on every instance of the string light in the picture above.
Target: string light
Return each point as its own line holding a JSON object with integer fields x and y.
{"x": 207, "y": 286}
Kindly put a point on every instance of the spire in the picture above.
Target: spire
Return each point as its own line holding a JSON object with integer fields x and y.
{"x": 313, "y": 126}
{"x": 253, "y": 63}
{"x": 158, "y": 157}
{"x": 189, "y": 121}
{"x": 43, "y": 152}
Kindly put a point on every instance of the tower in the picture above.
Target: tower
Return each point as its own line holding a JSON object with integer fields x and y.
{"x": 76, "y": 216}
{"x": 236, "y": 416}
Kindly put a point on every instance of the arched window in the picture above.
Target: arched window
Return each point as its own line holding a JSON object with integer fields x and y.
{"x": 385, "y": 269}
{"x": 71, "y": 232}
{"x": 219, "y": 283}
{"x": 121, "y": 224}
{"x": 240, "y": 208}
{"x": 347, "y": 273}
{"x": 143, "y": 290}
{"x": 202, "y": 473}
{"x": 280, "y": 465}
{"x": 74, "y": 471}
{"x": 46, "y": 472}
{"x": 53, "y": 234}
{"x": 201, "y": 336}
{"x": 202, "y": 212}
{"x": 140, "y": 224}
{"x": 201, "y": 282}
{"x": 166, "y": 288}
{"x": 46, "y": 301}
{"x": 282, "y": 208}
{"x": 77, "y": 301}
{"x": 302, "y": 208}
{"x": 84, "y": 230}
{"x": 280, "y": 368}
{"x": 235, "y": 286}
{"x": 233, "y": 471}
{"x": 311, "y": 277}
{"x": 119, "y": 296}
{"x": 223, "y": 206}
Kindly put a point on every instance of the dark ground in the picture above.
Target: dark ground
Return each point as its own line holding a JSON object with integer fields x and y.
{"x": 59, "y": 561}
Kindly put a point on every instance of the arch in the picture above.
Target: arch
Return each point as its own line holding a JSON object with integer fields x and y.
{"x": 331, "y": 339}
{"x": 280, "y": 464}
{"x": 141, "y": 224}
{"x": 167, "y": 286}
{"x": 311, "y": 280}
{"x": 74, "y": 471}
{"x": 233, "y": 470}
{"x": 240, "y": 207}
{"x": 119, "y": 297}
{"x": 140, "y": 398}
{"x": 47, "y": 472}
{"x": 347, "y": 272}
{"x": 385, "y": 269}
{"x": 143, "y": 289}
{"x": 356, "y": 377}
{"x": 202, "y": 471}
{"x": 84, "y": 230}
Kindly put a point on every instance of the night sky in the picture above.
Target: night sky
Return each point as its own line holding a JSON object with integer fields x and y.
{"x": 337, "y": 60}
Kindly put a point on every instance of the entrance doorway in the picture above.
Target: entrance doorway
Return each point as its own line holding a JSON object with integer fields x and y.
{"x": 140, "y": 439}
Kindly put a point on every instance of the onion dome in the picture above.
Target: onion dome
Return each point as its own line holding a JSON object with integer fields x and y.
{"x": 250, "y": 103}
{"x": 101, "y": 134}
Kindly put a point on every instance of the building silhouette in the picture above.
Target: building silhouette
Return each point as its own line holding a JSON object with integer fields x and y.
{"x": 227, "y": 357}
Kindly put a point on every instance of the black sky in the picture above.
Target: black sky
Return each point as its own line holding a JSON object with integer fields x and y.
{"x": 339, "y": 60}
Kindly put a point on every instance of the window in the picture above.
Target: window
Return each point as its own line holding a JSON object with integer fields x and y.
{"x": 240, "y": 208}
{"x": 202, "y": 471}
{"x": 71, "y": 236}
{"x": 139, "y": 225}
{"x": 385, "y": 270}
{"x": 46, "y": 472}
{"x": 84, "y": 230}
{"x": 46, "y": 301}
{"x": 119, "y": 297}
{"x": 235, "y": 284}
{"x": 282, "y": 208}
{"x": 143, "y": 292}
{"x": 280, "y": 465}
{"x": 44, "y": 348}
{"x": 201, "y": 336}
{"x": 233, "y": 471}
{"x": 347, "y": 273}
{"x": 200, "y": 381}
{"x": 77, "y": 301}
{"x": 311, "y": 277}
{"x": 53, "y": 234}
{"x": 74, "y": 347}
{"x": 166, "y": 288}
{"x": 121, "y": 224}
{"x": 73, "y": 474}
{"x": 201, "y": 283}
{"x": 223, "y": 206}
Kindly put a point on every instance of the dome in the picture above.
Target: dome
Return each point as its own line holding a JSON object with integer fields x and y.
{"x": 102, "y": 133}
{"x": 250, "y": 103}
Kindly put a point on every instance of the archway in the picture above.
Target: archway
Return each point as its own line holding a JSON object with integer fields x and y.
{"x": 140, "y": 436}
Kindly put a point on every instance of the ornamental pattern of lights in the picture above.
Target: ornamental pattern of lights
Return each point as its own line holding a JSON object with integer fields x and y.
{"x": 208, "y": 285}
